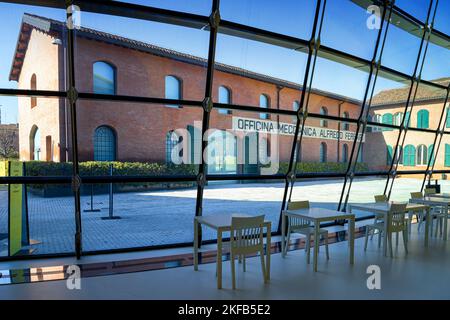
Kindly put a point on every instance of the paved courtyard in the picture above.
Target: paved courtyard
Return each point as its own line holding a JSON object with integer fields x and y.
{"x": 164, "y": 217}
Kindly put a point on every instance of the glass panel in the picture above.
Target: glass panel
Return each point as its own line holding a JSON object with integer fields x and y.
{"x": 28, "y": 48}
{"x": 434, "y": 69}
{"x": 378, "y": 148}
{"x": 269, "y": 15}
{"x": 202, "y": 7}
{"x": 322, "y": 149}
{"x": 243, "y": 197}
{"x": 417, "y": 8}
{"x": 143, "y": 54}
{"x": 359, "y": 38}
{"x": 242, "y": 143}
{"x": 336, "y": 85}
{"x": 4, "y": 203}
{"x": 46, "y": 225}
{"x": 441, "y": 18}
{"x": 323, "y": 193}
{"x": 401, "y": 47}
{"x": 364, "y": 190}
{"x": 245, "y": 71}
{"x": 160, "y": 140}
{"x": 415, "y": 150}
{"x": 404, "y": 185}
{"x": 136, "y": 214}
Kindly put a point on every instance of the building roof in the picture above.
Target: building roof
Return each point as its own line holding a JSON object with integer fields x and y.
{"x": 400, "y": 95}
{"x": 55, "y": 28}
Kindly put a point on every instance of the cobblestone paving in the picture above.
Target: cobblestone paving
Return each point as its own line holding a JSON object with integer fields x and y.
{"x": 163, "y": 217}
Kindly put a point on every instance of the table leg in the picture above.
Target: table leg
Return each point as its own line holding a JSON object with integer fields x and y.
{"x": 195, "y": 244}
{"x": 445, "y": 222}
{"x": 385, "y": 238}
{"x": 351, "y": 240}
{"x": 283, "y": 234}
{"x": 427, "y": 225}
{"x": 316, "y": 244}
{"x": 219, "y": 259}
{"x": 268, "y": 247}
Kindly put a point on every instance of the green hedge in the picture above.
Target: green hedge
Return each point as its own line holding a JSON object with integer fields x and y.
{"x": 322, "y": 167}
{"x": 97, "y": 168}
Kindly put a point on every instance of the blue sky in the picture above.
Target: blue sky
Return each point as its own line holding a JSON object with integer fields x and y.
{"x": 344, "y": 29}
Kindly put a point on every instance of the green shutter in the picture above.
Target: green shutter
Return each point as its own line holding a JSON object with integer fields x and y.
{"x": 387, "y": 119}
{"x": 423, "y": 119}
{"x": 389, "y": 155}
{"x": 447, "y": 155}
{"x": 447, "y": 121}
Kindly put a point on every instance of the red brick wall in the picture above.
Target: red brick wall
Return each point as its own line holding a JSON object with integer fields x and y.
{"x": 141, "y": 128}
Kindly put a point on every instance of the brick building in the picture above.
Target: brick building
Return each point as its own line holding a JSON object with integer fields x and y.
{"x": 112, "y": 64}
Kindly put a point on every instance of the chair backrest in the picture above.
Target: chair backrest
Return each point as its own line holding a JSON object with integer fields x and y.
{"x": 381, "y": 198}
{"x": 397, "y": 211}
{"x": 247, "y": 234}
{"x": 430, "y": 191}
{"x": 295, "y": 222}
{"x": 416, "y": 195}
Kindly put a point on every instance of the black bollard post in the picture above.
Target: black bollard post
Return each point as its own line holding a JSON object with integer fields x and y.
{"x": 92, "y": 209}
{"x": 111, "y": 198}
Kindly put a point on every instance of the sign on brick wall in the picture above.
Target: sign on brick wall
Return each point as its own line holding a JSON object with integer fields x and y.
{"x": 282, "y": 128}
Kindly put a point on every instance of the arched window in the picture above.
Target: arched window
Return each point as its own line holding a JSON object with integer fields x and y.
{"x": 389, "y": 155}
{"x": 173, "y": 89}
{"x": 323, "y": 152}
{"x": 324, "y": 112}
{"x": 447, "y": 155}
{"x": 387, "y": 119}
{"x": 33, "y": 86}
{"x": 172, "y": 145}
{"x": 409, "y": 155}
{"x": 224, "y": 97}
{"x": 35, "y": 143}
{"x": 398, "y": 118}
{"x": 377, "y": 119}
{"x": 264, "y": 103}
{"x": 104, "y": 144}
{"x": 344, "y": 153}
{"x": 423, "y": 119}
{"x": 346, "y": 125}
{"x": 295, "y": 105}
{"x": 104, "y": 78}
{"x": 422, "y": 155}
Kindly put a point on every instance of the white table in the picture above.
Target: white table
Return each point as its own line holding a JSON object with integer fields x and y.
{"x": 316, "y": 216}
{"x": 383, "y": 208}
{"x": 439, "y": 195}
{"x": 434, "y": 201}
{"x": 222, "y": 223}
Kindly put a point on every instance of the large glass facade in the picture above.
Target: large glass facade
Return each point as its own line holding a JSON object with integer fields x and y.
{"x": 177, "y": 114}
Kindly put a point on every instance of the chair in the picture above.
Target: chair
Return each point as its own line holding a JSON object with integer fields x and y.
{"x": 381, "y": 198}
{"x": 435, "y": 213}
{"x": 304, "y": 227}
{"x": 397, "y": 224}
{"x": 246, "y": 237}
{"x": 419, "y": 216}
